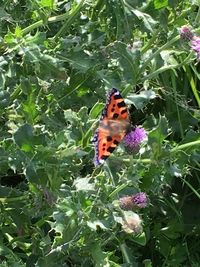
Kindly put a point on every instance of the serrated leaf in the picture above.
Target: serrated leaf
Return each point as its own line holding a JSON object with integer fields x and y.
{"x": 148, "y": 21}
{"x": 38, "y": 38}
{"x": 71, "y": 116}
{"x": 94, "y": 225}
{"x": 142, "y": 99}
{"x": 30, "y": 108}
{"x": 23, "y": 137}
{"x": 83, "y": 184}
{"x": 161, "y": 131}
{"x": 18, "y": 32}
{"x": 81, "y": 60}
{"x": 126, "y": 60}
{"x": 99, "y": 256}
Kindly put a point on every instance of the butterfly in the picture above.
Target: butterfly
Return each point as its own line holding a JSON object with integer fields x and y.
{"x": 113, "y": 126}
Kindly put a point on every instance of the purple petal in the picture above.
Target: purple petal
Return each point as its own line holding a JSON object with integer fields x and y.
{"x": 134, "y": 138}
{"x": 140, "y": 200}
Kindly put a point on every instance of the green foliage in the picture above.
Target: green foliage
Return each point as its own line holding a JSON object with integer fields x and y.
{"x": 58, "y": 59}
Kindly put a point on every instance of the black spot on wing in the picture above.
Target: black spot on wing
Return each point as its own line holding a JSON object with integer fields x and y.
{"x": 111, "y": 149}
{"x": 121, "y": 104}
{"x": 123, "y": 111}
{"x": 115, "y": 116}
{"x": 117, "y": 96}
{"x": 109, "y": 138}
{"x": 104, "y": 157}
{"x": 115, "y": 142}
{"x": 112, "y": 110}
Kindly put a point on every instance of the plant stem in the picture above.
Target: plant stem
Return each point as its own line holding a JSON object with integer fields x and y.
{"x": 197, "y": 19}
{"x": 12, "y": 199}
{"x": 124, "y": 252}
{"x": 146, "y": 161}
{"x": 41, "y": 22}
{"x": 191, "y": 187}
{"x": 184, "y": 146}
{"x": 71, "y": 18}
{"x": 122, "y": 246}
{"x": 149, "y": 44}
{"x": 168, "y": 67}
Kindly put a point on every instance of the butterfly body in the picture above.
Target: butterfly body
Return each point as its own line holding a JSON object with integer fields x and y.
{"x": 113, "y": 126}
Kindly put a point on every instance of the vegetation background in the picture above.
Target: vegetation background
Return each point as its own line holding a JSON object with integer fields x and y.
{"x": 58, "y": 59}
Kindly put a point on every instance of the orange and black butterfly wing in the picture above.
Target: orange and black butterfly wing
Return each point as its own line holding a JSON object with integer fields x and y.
{"x": 112, "y": 128}
{"x": 116, "y": 108}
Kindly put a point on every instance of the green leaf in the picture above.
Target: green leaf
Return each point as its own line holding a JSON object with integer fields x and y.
{"x": 160, "y": 3}
{"x": 148, "y": 21}
{"x": 96, "y": 110}
{"x": 18, "y": 32}
{"x": 81, "y": 60}
{"x": 161, "y": 131}
{"x": 175, "y": 171}
{"x": 125, "y": 60}
{"x": 95, "y": 225}
{"x": 31, "y": 173}
{"x": 140, "y": 239}
{"x": 83, "y": 184}
{"x": 158, "y": 135}
{"x": 4, "y": 15}
{"x": 147, "y": 263}
{"x": 141, "y": 100}
{"x": 30, "y": 108}
{"x": 23, "y": 137}
{"x": 4, "y": 99}
{"x": 99, "y": 256}
{"x": 47, "y": 3}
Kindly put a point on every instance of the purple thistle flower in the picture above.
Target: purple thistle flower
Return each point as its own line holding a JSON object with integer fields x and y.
{"x": 185, "y": 33}
{"x": 195, "y": 45}
{"x": 133, "y": 139}
{"x": 140, "y": 200}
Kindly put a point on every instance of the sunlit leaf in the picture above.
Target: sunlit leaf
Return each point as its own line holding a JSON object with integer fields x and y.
{"x": 142, "y": 99}
{"x": 160, "y": 3}
{"x": 83, "y": 184}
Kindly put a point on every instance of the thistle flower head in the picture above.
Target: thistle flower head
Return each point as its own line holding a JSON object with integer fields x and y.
{"x": 126, "y": 203}
{"x": 132, "y": 224}
{"x": 133, "y": 139}
{"x": 140, "y": 200}
{"x": 195, "y": 45}
{"x": 185, "y": 33}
